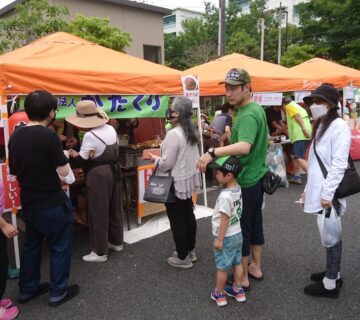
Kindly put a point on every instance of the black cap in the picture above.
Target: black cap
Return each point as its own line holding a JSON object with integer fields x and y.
{"x": 227, "y": 164}
{"x": 325, "y": 92}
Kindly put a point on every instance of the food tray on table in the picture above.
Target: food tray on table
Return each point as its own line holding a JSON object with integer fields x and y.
{"x": 132, "y": 155}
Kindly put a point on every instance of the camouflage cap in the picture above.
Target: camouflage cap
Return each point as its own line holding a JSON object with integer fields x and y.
{"x": 235, "y": 76}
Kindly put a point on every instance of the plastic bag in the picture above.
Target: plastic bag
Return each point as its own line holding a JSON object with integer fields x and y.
{"x": 329, "y": 225}
{"x": 276, "y": 163}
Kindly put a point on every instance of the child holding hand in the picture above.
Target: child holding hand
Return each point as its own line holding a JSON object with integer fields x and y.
{"x": 227, "y": 231}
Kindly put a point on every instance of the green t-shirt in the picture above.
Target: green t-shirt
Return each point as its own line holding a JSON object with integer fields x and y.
{"x": 251, "y": 127}
{"x": 295, "y": 131}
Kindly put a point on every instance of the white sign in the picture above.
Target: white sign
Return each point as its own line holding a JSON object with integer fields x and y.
{"x": 191, "y": 89}
{"x": 268, "y": 98}
{"x": 299, "y": 95}
{"x": 349, "y": 93}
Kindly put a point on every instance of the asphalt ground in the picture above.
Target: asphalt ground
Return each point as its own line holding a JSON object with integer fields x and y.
{"x": 139, "y": 284}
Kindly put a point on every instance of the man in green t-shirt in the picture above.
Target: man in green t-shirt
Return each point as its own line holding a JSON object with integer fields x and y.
{"x": 299, "y": 129}
{"x": 249, "y": 141}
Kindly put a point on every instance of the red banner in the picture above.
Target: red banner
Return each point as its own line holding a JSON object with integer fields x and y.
{"x": 12, "y": 191}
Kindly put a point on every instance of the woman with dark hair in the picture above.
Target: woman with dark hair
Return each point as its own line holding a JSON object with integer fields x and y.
{"x": 331, "y": 141}
{"x": 179, "y": 156}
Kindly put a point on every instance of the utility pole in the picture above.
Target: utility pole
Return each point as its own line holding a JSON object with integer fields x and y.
{"x": 279, "y": 43}
{"x": 221, "y": 42}
{"x": 261, "y": 27}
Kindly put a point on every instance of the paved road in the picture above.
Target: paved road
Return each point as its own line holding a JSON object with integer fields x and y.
{"x": 139, "y": 284}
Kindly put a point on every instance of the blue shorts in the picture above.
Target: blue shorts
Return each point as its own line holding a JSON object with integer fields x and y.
{"x": 230, "y": 255}
{"x": 299, "y": 149}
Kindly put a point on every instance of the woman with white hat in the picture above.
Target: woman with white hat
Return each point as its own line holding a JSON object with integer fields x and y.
{"x": 99, "y": 157}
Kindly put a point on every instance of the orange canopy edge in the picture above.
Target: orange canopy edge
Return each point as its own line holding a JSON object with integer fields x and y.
{"x": 66, "y": 64}
{"x": 265, "y": 76}
{"x": 330, "y": 72}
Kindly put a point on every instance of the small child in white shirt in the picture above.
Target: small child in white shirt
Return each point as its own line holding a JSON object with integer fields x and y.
{"x": 226, "y": 231}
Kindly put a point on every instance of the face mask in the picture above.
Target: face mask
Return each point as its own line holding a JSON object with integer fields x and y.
{"x": 318, "y": 110}
{"x": 168, "y": 114}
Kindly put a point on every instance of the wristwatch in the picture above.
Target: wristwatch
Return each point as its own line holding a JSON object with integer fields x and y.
{"x": 211, "y": 151}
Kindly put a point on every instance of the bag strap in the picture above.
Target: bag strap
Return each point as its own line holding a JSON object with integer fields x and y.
{"x": 322, "y": 167}
{"x": 321, "y": 164}
{"x": 157, "y": 169}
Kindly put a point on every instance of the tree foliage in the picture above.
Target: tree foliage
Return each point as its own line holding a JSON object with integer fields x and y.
{"x": 333, "y": 28}
{"x": 328, "y": 29}
{"x": 37, "y": 18}
{"x": 99, "y": 31}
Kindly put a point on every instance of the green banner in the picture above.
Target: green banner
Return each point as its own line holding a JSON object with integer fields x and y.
{"x": 116, "y": 106}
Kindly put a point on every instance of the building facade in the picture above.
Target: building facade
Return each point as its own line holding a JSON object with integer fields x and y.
{"x": 173, "y": 22}
{"x": 288, "y": 7}
{"x": 143, "y": 22}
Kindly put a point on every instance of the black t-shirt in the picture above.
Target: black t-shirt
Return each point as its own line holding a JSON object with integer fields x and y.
{"x": 34, "y": 154}
{"x": 272, "y": 115}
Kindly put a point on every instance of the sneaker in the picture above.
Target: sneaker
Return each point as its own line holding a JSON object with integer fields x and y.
{"x": 5, "y": 303}
{"x": 318, "y": 277}
{"x": 295, "y": 180}
{"x": 219, "y": 298}
{"x": 192, "y": 255}
{"x": 9, "y": 313}
{"x": 177, "y": 262}
{"x": 93, "y": 257}
{"x": 318, "y": 290}
{"x": 115, "y": 247}
{"x": 239, "y": 295}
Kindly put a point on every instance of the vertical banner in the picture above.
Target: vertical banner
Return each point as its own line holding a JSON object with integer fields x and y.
{"x": 12, "y": 191}
{"x": 191, "y": 89}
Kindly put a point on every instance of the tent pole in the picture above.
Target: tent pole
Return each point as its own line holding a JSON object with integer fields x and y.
{"x": 202, "y": 152}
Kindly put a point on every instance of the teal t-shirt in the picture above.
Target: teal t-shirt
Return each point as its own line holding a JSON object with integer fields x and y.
{"x": 251, "y": 127}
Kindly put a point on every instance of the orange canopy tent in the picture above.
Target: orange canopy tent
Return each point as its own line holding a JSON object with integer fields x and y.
{"x": 65, "y": 64}
{"x": 328, "y": 71}
{"x": 265, "y": 76}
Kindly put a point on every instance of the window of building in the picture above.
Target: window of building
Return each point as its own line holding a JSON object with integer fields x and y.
{"x": 152, "y": 53}
{"x": 169, "y": 20}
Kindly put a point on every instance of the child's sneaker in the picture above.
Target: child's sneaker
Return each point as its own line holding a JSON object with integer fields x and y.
{"x": 239, "y": 295}
{"x": 5, "y": 303}
{"x": 219, "y": 298}
{"x": 9, "y": 313}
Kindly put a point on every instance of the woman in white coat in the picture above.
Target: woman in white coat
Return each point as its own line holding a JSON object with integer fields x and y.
{"x": 332, "y": 139}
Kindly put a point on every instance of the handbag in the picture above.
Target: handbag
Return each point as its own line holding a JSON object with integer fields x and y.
{"x": 349, "y": 185}
{"x": 329, "y": 225}
{"x": 270, "y": 182}
{"x": 160, "y": 189}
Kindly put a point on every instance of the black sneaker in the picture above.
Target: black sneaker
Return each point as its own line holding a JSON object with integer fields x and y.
{"x": 318, "y": 290}
{"x": 318, "y": 277}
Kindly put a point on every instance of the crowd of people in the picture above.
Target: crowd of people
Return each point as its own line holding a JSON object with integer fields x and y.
{"x": 37, "y": 158}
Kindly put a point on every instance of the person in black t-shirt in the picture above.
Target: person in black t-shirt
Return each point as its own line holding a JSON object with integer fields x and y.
{"x": 37, "y": 159}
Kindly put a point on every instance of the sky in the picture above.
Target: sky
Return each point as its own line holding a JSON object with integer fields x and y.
{"x": 196, "y": 5}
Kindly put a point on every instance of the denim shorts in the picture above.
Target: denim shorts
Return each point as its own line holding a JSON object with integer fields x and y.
{"x": 299, "y": 149}
{"x": 230, "y": 255}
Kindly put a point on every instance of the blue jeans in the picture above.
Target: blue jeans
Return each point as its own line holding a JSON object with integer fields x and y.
{"x": 55, "y": 225}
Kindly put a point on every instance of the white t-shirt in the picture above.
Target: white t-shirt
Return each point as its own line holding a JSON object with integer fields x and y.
{"x": 230, "y": 203}
{"x": 105, "y": 132}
